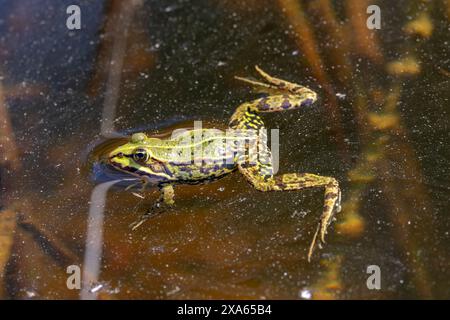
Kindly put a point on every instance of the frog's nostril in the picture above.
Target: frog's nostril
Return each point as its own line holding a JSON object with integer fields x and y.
{"x": 117, "y": 155}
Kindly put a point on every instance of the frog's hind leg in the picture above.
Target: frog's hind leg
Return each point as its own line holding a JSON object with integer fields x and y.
{"x": 259, "y": 86}
{"x": 283, "y": 96}
{"x": 273, "y": 84}
{"x": 246, "y": 115}
{"x": 296, "y": 181}
{"x": 281, "y": 84}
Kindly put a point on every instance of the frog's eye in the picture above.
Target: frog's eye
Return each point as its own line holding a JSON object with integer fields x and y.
{"x": 140, "y": 155}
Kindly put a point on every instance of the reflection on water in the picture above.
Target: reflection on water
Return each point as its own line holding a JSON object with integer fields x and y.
{"x": 380, "y": 127}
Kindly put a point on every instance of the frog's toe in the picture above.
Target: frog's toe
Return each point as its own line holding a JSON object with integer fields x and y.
{"x": 136, "y": 224}
{"x": 323, "y": 232}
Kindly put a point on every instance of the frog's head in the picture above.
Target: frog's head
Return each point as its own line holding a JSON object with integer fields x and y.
{"x": 133, "y": 155}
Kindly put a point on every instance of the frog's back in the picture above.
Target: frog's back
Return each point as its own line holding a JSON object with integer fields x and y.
{"x": 196, "y": 155}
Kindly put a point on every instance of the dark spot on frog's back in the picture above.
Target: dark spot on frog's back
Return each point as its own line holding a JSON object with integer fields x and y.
{"x": 286, "y": 104}
{"x": 330, "y": 195}
{"x": 205, "y": 170}
{"x": 307, "y": 103}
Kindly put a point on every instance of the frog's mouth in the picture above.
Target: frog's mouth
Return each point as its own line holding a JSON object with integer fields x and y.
{"x": 156, "y": 170}
{"x": 122, "y": 163}
{"x": 121, "y": 167}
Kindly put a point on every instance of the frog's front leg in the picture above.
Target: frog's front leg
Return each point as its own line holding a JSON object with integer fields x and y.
{"x": 296, "y": 181}
{"x": 166, "y": 199}
{"x": 143, "y": 182}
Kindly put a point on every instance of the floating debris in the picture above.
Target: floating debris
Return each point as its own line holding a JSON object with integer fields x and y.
{"x": 305, "y": 294}
{"x": 422, "y": 26}
{"x": 408, "y": 66}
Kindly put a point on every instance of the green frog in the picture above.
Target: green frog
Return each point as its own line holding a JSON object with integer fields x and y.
{"x": 200, "y": 155}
